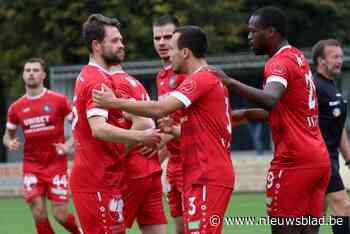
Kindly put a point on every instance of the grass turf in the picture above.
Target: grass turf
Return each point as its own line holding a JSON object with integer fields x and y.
{"x": 15, "y": 217}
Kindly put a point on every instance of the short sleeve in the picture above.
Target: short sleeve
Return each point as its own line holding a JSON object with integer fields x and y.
{"x": 91, "y": 109}
{"x": 277, "y": 70}
{"x": 66, "y": 107}
{"x": 195, "y": 86}
{"x": 12, "y": 118}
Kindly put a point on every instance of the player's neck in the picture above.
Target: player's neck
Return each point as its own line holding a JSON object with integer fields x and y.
{"x": 98, "y": 60}
{"x": 165, "y": 62}
{"x": 34, "y": 92}
{"x": 195, "y": 65}
{"x": 278, "y": 46}
{"x": 116, "y": 68}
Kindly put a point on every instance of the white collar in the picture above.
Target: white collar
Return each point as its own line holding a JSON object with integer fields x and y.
{"x": 99, "y": 67}
{"x": 283, "y": 48}
{"x": 199, "y": 68}
{"x": 37, "y": 96}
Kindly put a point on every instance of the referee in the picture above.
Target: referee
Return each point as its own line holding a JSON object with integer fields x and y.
{"x": 328, "y": 58}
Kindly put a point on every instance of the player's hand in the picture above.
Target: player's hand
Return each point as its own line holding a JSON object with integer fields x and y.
{"x": 14, "y": 144}
{"x": 104, "y": 97}
{"x": 61, "y": 148}
{"x": 166, "y": 124}
{"x": 149, "y": 151}
{"x": 150, "y": 138}
{"x": 225, "y": 79}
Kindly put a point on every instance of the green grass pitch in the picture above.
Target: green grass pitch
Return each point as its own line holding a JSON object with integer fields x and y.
{"x": 15, "y": 217}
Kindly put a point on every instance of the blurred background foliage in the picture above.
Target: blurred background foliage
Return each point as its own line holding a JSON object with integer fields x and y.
{"x": 52, "y": 29}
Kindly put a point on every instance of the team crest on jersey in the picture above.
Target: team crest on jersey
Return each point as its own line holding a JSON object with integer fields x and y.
{"x": 188, "y": 86}
{"x": 172, "y": 81}
{"x": 47, "y": 108}
{"x": 336, "y": 112}
{"x": 278, "y": 69}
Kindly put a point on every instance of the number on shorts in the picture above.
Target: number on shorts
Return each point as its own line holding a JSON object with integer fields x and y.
{"x": 29, "y": 180}
{"x": 58, "y": 181}
{"x": 192, "y": 209}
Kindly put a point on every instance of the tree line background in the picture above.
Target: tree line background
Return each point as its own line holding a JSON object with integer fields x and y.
{"x": 52, "y": 29}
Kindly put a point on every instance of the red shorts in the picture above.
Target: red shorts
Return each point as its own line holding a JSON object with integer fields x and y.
{"x": 296, "y": 192}
{"x": 144, "y": 201}
{"x": 55, "y": 187}
{"x": 100, "y": 212}
{"x": 174, "y": 193}
{"x": 204, "y": 208}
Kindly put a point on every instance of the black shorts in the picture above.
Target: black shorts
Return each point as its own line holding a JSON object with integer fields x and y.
{"x": 335, "y": 183}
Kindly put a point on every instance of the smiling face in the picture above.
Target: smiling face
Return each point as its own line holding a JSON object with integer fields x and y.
{"x": 257, "y": 36}
{"x": 112, "y": 47}
{"x": 33, "y": 75}
{"x": 161, "y": 39}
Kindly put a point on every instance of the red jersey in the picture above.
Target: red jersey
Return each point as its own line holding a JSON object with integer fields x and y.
{"x": 42, "y": 121}
{"x": 98, "y": 165}
{"x": 137, "y": 164}
{"x": 168, "y": 81}
{"x": 206, "y": 132}
{"x": 294, "y": 120}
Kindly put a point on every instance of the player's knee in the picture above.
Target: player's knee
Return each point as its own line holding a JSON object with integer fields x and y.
{"x": 340, "y": 206}
{"x": 39, "y": 213}
{"x": 60, "y": 215}
{"x": 347, "y": 208}
{"x": 153, "y": 229}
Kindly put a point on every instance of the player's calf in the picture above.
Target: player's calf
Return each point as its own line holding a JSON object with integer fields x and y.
{"x": 66, "y": 219}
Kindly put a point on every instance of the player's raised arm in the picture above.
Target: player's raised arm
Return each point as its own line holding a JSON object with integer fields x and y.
{"x": 105, "y": 98}
{"x": 241, "y": 116}
{"x": 266, "y": 98}
{"x": 105, "y": 131}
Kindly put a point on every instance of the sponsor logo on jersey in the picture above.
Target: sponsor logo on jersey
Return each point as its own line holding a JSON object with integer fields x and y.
{"x": 194, "y": 224}
{"x": 26, "y": 109}
{"x": 335, "y": 103}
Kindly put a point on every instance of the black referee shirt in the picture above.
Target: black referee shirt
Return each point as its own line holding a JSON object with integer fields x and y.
{"x": 332, "y": 113}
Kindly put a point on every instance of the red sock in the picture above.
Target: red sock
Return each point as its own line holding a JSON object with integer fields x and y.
{"x": 44, "y": 227}
{"x": 70, "y": 224}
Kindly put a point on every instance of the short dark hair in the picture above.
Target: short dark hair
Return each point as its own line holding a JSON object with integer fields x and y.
{"x": 318, "y": 48}
{"x": 94, "y": 28}
{"x": 36, "y": 60}
{"x": 271, "y": 16}
{"x": 166, "y": 19}
{"x": 194, "y": 38}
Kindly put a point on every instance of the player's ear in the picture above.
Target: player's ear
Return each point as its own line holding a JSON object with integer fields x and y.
{"x": 95, "y": 45}
{"x": 272, "y": 30}
{"x": 186, "y": 52}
